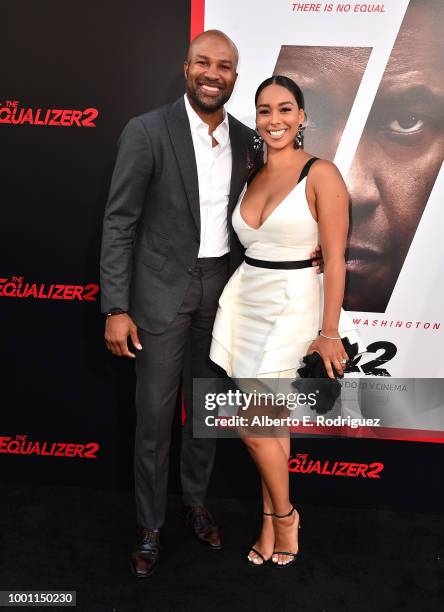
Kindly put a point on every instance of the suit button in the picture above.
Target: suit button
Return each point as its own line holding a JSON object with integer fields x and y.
{"x": 190, "y": 270}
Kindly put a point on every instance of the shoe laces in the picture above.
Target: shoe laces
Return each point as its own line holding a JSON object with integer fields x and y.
{"x": 149, "y": 536}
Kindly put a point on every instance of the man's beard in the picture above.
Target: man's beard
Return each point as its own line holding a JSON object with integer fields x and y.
{"x": 212, "y": 105}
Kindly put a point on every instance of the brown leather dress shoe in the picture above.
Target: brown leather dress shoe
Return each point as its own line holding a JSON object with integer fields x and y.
{"x": 146, "y": 556}
{"x": 203, "y": 526}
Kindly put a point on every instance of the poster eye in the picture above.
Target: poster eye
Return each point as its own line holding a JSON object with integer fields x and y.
{"x": 407, "y": 123}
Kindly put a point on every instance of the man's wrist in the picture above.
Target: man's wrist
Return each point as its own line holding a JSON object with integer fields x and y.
{"x": 115, "y": 311}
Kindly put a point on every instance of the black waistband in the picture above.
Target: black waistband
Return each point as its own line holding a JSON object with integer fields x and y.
{"x": 279, "y": 265}
{"x": 209, "y": 261}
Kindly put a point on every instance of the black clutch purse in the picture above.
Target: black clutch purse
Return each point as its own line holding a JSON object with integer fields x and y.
{"x": 314, "y": 378}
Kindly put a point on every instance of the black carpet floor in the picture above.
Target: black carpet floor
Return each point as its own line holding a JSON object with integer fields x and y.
{"x": 351, "y": 560}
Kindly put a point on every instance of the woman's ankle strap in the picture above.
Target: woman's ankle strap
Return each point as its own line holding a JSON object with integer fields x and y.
{"x": 285, "y": 515}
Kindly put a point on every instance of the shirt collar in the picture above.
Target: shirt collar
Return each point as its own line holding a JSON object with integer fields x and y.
{"x": 221, "y": 133}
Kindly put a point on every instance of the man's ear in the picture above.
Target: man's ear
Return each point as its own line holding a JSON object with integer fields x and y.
{"x": 185, "y": 69}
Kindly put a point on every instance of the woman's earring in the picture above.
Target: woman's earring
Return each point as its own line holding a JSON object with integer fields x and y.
{"x": 257, "y": 141}
{"x": 299, "y": 140}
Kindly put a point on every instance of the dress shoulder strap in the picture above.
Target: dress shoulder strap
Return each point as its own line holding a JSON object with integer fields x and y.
{"x": 306, "y": 168}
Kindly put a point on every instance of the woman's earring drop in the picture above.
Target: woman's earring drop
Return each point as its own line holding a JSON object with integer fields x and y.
{"x": 299, "y": 140}
{"x": 257, "y": 141}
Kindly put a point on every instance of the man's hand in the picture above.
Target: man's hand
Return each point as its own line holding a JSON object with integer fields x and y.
{"x": 318, "y": 262}
{"x": 117, "y": 329}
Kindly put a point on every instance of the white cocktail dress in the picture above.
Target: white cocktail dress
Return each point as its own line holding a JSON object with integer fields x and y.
{"x": 267, "y": 318}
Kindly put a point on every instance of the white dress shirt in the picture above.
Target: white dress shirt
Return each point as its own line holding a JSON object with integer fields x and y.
{"x": 214, "y": 176}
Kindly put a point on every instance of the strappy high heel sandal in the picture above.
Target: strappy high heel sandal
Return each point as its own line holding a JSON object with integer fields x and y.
{"x": 258, "y": 553}
{"x": 284, "y": 552}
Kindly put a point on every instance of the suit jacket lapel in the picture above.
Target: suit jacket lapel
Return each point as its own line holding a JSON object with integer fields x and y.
{"x": 180, "y": 134}
{"x": 238, "y": 168}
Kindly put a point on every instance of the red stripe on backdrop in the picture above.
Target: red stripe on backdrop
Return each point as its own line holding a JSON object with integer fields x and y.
{"x": 380, "y": 433}
{"x": 197, "y": 18}
{"x": 184, "y": 412}
{"x": 197, "y": 24}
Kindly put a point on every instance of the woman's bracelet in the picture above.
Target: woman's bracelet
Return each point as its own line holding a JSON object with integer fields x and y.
{"x": 330, "y": 337}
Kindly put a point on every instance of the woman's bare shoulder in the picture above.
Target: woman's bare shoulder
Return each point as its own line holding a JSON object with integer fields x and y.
{"x": 325, "y": 170}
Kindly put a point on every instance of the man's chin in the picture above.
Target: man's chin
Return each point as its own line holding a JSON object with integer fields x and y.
{"x": 209, "y": 104}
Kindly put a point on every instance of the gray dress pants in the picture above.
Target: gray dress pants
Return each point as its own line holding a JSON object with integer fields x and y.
{"x": 159, "y": 367}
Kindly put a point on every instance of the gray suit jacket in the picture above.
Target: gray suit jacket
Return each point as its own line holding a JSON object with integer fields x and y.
{"x": 151, "y": 226}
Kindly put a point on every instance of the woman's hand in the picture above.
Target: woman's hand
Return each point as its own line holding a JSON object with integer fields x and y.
{"x": 332, "y": 353}
{"x": 318, "y": 261}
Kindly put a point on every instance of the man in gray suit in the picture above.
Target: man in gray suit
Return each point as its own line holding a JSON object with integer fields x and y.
{"x": 167, "y": 251}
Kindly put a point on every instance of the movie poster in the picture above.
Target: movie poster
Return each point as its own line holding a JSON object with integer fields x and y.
{"x": 373, "y": 80}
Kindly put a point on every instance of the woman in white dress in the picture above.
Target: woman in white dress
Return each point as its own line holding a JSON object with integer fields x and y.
{"x": 272, "y": 308}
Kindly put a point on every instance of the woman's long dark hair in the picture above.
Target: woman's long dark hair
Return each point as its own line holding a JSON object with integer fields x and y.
{"x": 283, "y": 81}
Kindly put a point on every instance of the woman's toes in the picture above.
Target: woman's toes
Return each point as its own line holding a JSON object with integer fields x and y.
{"x": 254, "y": 558}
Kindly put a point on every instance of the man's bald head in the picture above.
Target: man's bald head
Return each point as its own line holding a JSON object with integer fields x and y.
{"x": 210, "y": 71}
{"x": 218, "y": 37}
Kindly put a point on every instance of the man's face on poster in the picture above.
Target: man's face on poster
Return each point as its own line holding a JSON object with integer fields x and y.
{"x": 400, "y": 151}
